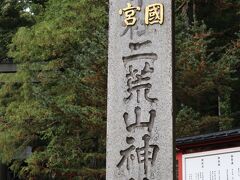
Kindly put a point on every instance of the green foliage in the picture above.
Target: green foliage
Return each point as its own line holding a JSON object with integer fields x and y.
{"x": 207, "y": 68}
{"x": 187, "y": 122}
{"x": 12, "y": 17}
{"x": 58, "y": 105}
{"x": 210, "y": 124}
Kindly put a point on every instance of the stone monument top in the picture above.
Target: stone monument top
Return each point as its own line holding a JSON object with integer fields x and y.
{"x": 140, "y": 105}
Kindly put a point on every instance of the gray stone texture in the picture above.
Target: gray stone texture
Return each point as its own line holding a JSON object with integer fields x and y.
{"x": 151, "y": 56}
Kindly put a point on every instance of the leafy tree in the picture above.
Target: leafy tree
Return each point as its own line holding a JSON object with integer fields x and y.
{"x": 12, "y": 17}
{"x": 207, "y": 68}
{"x": 231, "y": 60}
{"x": 187, "y": 122}
{"x": 56, "y": 101}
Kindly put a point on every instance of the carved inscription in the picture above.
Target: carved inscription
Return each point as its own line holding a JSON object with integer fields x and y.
{"x": 139, "y": 80}
{"x": 139, "y": 84}
{"x": 129, "y": 13}
{"x": 144, "y": 56}
{"x": 139, "y": 61}
{"x": 127, "y": 154}
{"x": 138, "y": 45}
{"x": 154, "y": 13}
{"x": 148, "y": 153}
{"x": 138, "y": 123}
{"x": 139, "y": 26}
{"x": 139, "y": 98}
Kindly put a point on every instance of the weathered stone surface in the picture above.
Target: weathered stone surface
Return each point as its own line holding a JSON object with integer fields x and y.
{"x": 140, "y": 108}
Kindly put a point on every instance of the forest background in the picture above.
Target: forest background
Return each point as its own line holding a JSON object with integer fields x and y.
{"x": 56, "y": 101}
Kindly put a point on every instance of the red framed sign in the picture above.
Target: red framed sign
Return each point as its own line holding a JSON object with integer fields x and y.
{"x": 221, "y": 164}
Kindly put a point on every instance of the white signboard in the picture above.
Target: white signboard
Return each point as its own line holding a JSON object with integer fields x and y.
{"x": 212, "y": 165}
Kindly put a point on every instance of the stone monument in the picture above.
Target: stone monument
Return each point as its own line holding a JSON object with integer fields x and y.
{"x": 140, "y": 142}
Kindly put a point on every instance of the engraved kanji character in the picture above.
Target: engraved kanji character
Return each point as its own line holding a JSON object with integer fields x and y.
{"x": 139, "y": 27}
{"x": 137, "y": 81}
{"x": 139, "y": 45}
{"x": 145, "y": 155}
{"x": 127, "y": 154}
{"x": 138, "y": 123}
{"x": 154, "y": 14}
{"x": 129, "y": 13}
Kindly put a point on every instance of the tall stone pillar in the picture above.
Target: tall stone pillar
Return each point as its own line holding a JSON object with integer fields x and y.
{"x": 140, "y": 142}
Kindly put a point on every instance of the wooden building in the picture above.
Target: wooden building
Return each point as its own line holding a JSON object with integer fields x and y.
{"x": 209, "y": 156}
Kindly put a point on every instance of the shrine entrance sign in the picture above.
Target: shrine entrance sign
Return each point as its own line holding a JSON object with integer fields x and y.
{"x": 140, "y": 143}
